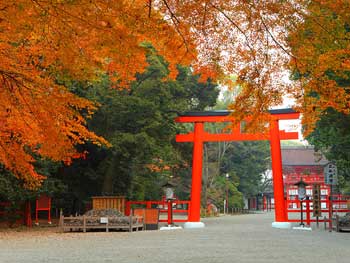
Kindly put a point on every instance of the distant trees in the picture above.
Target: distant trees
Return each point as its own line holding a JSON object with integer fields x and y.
{"x": 139, "y": 125}
{"x": 332, "y": 137}
{"x": 243, "y": 162}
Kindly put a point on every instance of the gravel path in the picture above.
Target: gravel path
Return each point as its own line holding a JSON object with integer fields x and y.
{"x": 244, "y": 238}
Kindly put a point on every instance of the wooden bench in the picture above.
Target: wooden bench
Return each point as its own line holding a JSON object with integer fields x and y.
{"x": 84, "y": 223}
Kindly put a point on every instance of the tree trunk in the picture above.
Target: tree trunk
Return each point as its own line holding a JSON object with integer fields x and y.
{"x": 107, "y": 187}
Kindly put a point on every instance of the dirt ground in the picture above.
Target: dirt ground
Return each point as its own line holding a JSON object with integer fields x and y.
{"x": 243, "y": 238}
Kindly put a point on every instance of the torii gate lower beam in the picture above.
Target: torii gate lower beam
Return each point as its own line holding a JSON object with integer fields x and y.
{"x": 199, "y": 136}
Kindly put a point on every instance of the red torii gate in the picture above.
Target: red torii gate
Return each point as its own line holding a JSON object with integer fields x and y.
{"x": 199, "y": 136}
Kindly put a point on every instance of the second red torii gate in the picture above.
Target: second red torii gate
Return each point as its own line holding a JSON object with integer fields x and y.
{"x": 199, "y": 136}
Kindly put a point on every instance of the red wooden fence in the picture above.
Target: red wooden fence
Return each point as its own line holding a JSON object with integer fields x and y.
{"x": 328, "y": 207}
{"x": 179, "y": 208}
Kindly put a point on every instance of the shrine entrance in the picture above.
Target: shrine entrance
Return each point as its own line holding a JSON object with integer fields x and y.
{"x": 199, "y": 136}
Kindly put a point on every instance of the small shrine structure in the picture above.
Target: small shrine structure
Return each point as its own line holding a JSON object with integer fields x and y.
{"x": 303, "y": 163}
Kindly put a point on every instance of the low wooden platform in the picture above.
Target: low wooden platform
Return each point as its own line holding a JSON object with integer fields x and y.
{"x": 85, "y": 223}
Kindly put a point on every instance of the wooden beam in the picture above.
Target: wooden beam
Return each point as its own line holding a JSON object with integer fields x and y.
{"x": 219, "y": 137}
{"x": 227, "y": 118}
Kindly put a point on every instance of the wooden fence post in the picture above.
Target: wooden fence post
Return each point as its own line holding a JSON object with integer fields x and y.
{"x": 84, "y": 224}
{"x": 130, "y": 222}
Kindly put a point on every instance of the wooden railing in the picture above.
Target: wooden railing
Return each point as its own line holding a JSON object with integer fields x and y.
{"x": 179, "y": 208}
{"x": 328, "y": 208}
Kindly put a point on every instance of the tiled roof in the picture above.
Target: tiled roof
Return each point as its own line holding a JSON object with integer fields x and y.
{"x": 304, "y": 155}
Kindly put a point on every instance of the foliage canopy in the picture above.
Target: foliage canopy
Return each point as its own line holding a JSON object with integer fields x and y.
{"x": 41, "y": 40}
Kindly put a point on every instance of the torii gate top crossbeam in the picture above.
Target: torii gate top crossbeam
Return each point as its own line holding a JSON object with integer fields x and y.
{"x": 236, "y": 134}
{"x": 224, "y": 115}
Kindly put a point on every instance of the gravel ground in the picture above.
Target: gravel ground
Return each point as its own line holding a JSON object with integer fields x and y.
{"x": 243, "y": 238}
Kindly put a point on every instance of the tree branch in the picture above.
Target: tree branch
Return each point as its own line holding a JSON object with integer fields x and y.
{"x": 176, "y": 22}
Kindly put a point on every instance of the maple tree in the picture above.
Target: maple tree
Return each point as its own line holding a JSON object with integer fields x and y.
{"x": 42, "y": 40}
{"x": 262, "y": 42}
{"x": 258, "y": 41}
{"x": 321, "y": 46}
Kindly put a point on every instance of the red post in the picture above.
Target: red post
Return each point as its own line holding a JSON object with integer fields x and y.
{"x": 195, "y": 207}
{"x": 127, "y": 208}
{"x": 49, "y": 211}
{"x": 280, "y": 211}
{"x": 36, "y": 211}
{"x": 330, "y": 213}
{"x": 170, "y": 212}
{"x": 27, "y": 214}
{"x": 308, "y": 219}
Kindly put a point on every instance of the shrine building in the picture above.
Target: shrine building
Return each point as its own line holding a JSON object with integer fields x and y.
{"x": 303, "y": 163}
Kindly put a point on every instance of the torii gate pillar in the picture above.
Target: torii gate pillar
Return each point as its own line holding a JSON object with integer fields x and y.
{"x": 281, "y": 220}
{"x": 196, "y": 188}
